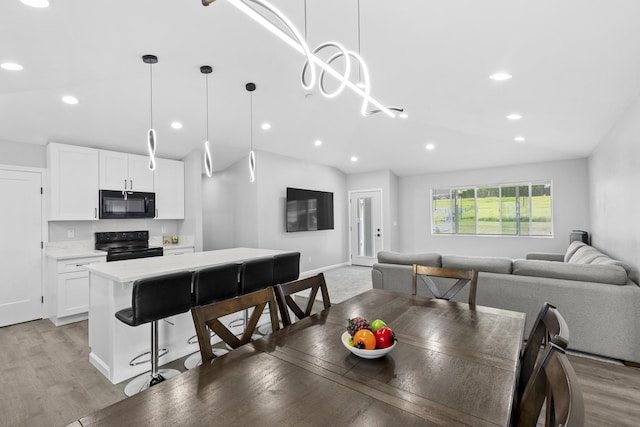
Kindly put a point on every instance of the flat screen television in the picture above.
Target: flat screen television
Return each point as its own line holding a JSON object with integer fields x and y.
{"x": 309, "y": 210}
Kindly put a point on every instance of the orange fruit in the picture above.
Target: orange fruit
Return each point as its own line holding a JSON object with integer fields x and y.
{"x": 364, "y": 339}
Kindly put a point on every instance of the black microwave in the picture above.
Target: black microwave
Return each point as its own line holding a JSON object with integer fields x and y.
{"x": 127, "y": 204}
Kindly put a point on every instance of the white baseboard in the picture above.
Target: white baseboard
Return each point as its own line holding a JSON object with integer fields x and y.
{"x": 305, "y": 274}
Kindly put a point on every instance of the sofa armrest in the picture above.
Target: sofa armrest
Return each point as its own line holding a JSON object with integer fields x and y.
{"x": 545, "y": 256}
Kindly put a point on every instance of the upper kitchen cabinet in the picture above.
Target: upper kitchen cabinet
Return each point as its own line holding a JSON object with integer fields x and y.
{"x": 121, "y": 171}
{"x": 169, "y": 180}
{"x": 73, "y": 182}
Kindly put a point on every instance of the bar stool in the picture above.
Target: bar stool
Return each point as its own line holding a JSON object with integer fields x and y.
{"x": 211, "y": 285}
{"x": 255, "y": 275}
{"x": 152, "y": 299}
{"x": 286, "y": 268}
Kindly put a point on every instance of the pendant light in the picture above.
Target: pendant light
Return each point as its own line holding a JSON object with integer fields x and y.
{"x": 273, "y": 20}
{"x": 151, "y": 134}
{"x": 252, "y": 155}
{"x": 208, "y": 162}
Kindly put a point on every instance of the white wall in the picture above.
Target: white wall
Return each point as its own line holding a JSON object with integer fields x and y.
{"x": 570, "y": 209}
{"x": 256, "y": 211}
{"x": 387, "y": 181}
{"x": 19, "y": 154}
{"x": 192, "y": 223}
{"x": 614, "y": 177}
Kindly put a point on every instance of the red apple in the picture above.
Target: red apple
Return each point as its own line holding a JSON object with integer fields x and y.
{"x": 384, "y": 337}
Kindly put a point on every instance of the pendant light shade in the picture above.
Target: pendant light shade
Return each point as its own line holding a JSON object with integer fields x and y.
{"x": 252, "y": 155}
{"x": 151, "y": 134}
{"x": 208, "y": 162}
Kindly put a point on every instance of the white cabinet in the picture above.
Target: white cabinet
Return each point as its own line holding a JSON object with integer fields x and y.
{"x": 121, "y": 171}
{"x": 67, "y": 297}
{"x": 177, "y": 251}
{"x": 73, "y": 182}
{"x": 169, "y": 185}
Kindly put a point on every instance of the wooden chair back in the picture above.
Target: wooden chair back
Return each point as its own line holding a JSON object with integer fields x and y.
{"x": 209, "y": 315}
{"x": 285, "y": 299}
{"x": 555, "y": 381}
{"x": 463, "y": 276}
{"x": 549, "y": 326}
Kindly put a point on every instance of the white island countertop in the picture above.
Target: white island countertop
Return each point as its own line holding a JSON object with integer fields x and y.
{"x": 134, "y": 269}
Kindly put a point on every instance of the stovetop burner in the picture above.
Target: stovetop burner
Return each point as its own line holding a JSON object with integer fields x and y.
{"x": 122, "y": 245}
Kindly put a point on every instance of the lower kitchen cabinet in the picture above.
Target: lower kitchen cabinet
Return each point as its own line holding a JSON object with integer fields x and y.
{"x": 67, "y": 296}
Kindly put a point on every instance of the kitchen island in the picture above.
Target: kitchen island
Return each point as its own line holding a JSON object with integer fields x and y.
{"x": 114, "y": 344}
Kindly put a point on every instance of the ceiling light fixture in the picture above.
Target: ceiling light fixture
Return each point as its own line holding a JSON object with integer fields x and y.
{"x": 514, "y": 116}
{"x": 208, "y": 162}
{"x": 519, "y": 139}
{"x": 36, "y": 3}
{"x": 403, "y": 115}
{"x": 294, "y": 39}
{"x": 500, "y": 77}
{"x": 430, "y": 146}
{"x": 11, "y": 66}
{"x": 354, "y": 159}
{"x": 252, "y": 155}
{"x": 266, "y": 126}
{"x": 151, "y": 133}
{"x": 69, "y": 99}
{"x": 317, "y": 143}
{"x": 176, "y": 125}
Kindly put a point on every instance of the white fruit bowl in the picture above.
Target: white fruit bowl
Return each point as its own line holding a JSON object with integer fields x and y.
{"x": 366, "y": 354}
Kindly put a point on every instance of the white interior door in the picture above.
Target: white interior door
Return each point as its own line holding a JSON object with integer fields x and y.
{"x": 366, "y": 226}
{"x": 20, "y": 252}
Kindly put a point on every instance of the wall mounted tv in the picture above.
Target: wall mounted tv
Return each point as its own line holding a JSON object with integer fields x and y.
{"x": 309, "y": 210}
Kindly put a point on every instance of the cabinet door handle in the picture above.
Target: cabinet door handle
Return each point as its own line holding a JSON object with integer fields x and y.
{"x": 125, "y": 184}
{"x": 130, "y": 184}
{"x": 156, "y": 213}
{"x": 95, "y": 212}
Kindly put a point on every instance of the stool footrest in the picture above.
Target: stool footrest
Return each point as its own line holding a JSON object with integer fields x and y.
{"x": 136, "y": 362}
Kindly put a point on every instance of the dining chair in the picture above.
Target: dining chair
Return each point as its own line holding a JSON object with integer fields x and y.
{"x": 548, "y": 327}
{"x": 285, "y": 292}
{"x": 286, "y": 268}
{"x": 207, "y": 316}
{"x": 463, "y": 276}
{"x": 555, "y": 381}
{"x": 212, "y": 284}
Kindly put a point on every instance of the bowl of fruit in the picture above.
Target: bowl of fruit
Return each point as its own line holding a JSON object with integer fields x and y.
{"x": 368, "y": 340}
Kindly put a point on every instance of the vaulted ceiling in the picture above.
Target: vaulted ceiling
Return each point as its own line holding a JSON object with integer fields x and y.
{"x": 575, "y": 67}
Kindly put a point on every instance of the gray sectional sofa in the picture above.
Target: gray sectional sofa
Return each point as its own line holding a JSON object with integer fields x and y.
{"x": 594, "y": 293}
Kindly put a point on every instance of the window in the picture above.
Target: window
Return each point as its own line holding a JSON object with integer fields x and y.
{"x": 505, "y": 209}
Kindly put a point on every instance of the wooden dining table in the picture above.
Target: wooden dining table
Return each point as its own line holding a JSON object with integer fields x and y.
{"x": 454, "y": 364}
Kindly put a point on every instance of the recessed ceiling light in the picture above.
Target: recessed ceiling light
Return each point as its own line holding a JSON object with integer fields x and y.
{"x": 500, "y": 77}
{"x": 36, "y": 3}
{"x": 71, "y": 100}
{"x": 266, "y": 126}
{"x": 403, "y": 115}
{"x": 11, "y": 66}
{"x": 176, "y": 125}
{"x": 514, "y": 116}
{"x": 519, "y": 138}
{"x": 430, "y": 146}
{"x": 354, "y": 159}
{"x": 317, "y": 143}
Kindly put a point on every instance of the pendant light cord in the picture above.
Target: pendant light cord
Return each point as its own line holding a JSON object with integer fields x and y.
{"x": 359, "y": 53}
{"x": 251, "y": 118}
{"x": 151, "y": 97}
{"x": 207, "y": 109}
{"x": 305, "y": 20}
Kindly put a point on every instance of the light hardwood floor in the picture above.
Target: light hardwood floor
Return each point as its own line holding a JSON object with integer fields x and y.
{"x": 47, "y": 380}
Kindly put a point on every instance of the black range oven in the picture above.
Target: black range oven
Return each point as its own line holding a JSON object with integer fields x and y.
{"x": 122, "y": 245}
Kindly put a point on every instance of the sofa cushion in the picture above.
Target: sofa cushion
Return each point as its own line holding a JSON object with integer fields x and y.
{"x": 605, "y": 260}
{"x": 388, "y": 257}
{"x": 573, "y": 247}
{"x": 488, "y": 264}
{"x": 598, "y": 273}
{"x": 584, "y": 255}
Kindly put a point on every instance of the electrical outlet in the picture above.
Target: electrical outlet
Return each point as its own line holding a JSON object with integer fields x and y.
{"x": 71, "y": 233}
